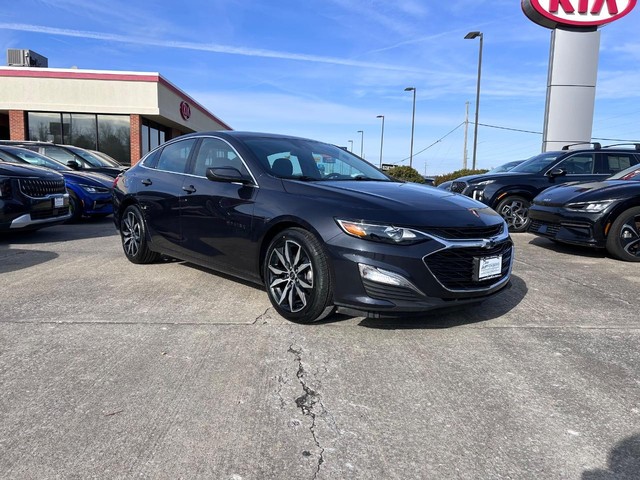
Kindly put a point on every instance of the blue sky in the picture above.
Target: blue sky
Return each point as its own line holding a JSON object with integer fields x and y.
{"x": 326, "y": 69}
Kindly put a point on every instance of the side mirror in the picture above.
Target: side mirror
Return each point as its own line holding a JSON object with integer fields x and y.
{"x": 557, "y": 172}
{"x": 227, "y": 175}
{"x": 73, "y": 164}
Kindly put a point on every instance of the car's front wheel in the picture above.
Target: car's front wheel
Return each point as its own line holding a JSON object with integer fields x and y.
{"x": 133, "y": 232}
{"x": 297, "y": 277}
{"x": 515, "y": 211}
{"x": 623, "y": 241}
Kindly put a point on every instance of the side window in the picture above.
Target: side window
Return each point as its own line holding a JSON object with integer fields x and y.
{"x": 616, "y": 162}
{"x": 60, "y": 154}
{"x": 174, "y": 157}
{"x": 579, "y": 164}
{"x": 213, "y": 153}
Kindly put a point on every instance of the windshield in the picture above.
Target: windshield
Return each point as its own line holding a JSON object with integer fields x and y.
{"x": 112, "y": 162}
{"x": 631, "y": 173}
{"x": 90, "y": 158}
{"x": 309, "y": 160}
{"x": 538, "y": 163}
{"x": 36, "y": 159}
{"x": 506, "y": 167}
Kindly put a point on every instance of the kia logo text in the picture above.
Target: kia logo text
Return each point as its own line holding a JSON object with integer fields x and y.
{"x": 580, "y": 13}
{"x": 185, "y": 110}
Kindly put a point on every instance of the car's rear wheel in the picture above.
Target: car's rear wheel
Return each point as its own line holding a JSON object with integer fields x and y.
{"x": 623, "y": 241}
{"x": 515, "y": 211}
{"x": 133, "y": 232}
{"x": 297, "y": 277}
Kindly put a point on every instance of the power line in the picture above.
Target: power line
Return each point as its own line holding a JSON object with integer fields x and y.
{"x": 434, "y": 143}
{"x": 507, "y": 128}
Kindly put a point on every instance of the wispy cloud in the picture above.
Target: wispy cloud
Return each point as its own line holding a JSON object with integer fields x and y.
{"x": 207, "y": 47}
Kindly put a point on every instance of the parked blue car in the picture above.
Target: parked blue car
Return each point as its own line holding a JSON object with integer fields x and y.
{"x": 89, "y": 193}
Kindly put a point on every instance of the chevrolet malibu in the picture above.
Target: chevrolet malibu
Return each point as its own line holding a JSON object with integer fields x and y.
{"x": 319, "y": 227}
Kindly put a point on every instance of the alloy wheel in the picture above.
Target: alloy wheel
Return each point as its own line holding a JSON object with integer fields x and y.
{"x": 630, "y": 236}
{"x": 516, "y": 214}
{"x": 290, "y": 276}
{"x": 131, "y": 234}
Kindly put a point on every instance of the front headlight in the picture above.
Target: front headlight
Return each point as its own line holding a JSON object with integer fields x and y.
{"x": 382, "y": 233}
{"x": 589, "y": 207}
{"x": 94, "y": 189}
{"x": 482, "y": 184}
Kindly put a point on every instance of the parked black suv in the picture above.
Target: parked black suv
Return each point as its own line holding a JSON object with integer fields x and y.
{"x": 31, "y": 197}
{"x": 510, "y": 193}
{"x": 69, "y": 156}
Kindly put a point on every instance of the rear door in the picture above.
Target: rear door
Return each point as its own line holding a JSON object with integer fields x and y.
{"x": 159, "y": 187}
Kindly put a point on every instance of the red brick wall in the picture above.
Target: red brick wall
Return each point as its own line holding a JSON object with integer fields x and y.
{"x": 17, "y": 130}
{"x": 135, "y": 124}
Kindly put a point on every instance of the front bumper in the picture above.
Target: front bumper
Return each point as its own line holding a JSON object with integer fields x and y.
{"x": 558, "y": 224}
{"x": 442, "y": 272}
{"x": 42, "y": 212}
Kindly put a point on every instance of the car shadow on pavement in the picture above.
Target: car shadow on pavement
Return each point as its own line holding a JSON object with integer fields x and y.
{"x": 576, "y": 250}
{"x": 16, "y": 259}
{"x": 86, "y": 228}
{"x": 448, "y": 317}
{"x": 623, "y": 462}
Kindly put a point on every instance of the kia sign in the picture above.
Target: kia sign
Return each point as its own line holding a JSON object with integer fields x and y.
{"x": 576, "y": 13}
{"x": 185, "y": 110}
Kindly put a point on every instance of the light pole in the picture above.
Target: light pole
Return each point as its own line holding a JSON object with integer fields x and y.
{"x": 471, "y": 36}
{"x": 350, "y": 145}
{"x": 381, "y": 138}
{"x": 361, "y": 132}
{"x": 413, "y": 122}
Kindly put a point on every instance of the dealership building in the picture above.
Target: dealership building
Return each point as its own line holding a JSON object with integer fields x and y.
{"x": 124, "y": 114}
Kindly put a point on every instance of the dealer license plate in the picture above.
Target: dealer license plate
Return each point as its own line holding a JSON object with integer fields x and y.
{"x": 489, "y": 267}
{"x": 58, "y": 202}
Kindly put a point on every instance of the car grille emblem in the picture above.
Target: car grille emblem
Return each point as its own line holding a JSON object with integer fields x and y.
{"x": 475, "y": 212}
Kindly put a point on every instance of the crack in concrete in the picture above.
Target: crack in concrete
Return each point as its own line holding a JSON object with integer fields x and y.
{"x": 307, "y": 403}
{"x": 263, "y": 315}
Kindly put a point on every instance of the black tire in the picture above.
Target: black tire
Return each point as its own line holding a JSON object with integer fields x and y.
{"x": 75, "y": 208}
{"x": 133, "y": 232}
{"x": 297, "y": 277}
{"x": 515, "y": 211}
{"x": 623, "y": 241}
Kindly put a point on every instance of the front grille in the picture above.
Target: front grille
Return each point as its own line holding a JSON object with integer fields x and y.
{"x": 458, "y": 187}
{"x": 389, "y": 292}
{"x": 49, "y": 213}
{"x": 544, "y": 228}
{"x": 38, "y": 188}
{"x": 465, "y": 233}
{"x": 454, "y": 267}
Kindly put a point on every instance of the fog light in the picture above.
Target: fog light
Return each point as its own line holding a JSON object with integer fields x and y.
{"x": 379, "y": 275}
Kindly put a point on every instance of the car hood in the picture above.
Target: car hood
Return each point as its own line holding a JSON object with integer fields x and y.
{"x": 588, "y": 191}
{"x": 18, "y": 170}
{"x": 89, "y": 178}
{"x": 407, "y": 203}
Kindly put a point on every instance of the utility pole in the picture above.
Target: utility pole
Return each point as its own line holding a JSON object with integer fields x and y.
{"x": 466, "y": 130}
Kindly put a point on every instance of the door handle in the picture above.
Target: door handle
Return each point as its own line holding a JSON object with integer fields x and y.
{"x": 189, "y": 189}
{"x": 147, "y": 182}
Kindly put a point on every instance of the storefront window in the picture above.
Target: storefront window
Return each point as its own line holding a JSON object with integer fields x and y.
{"x": 153, "y": 134}
{"x": 107, "y": 133}
{"x": 82, "y": 130}
{"x": 114, "y": 135}
{"x": 45, "y": 127}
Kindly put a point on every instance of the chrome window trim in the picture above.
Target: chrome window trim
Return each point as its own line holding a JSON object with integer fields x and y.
{"x": 143, "y": 159}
